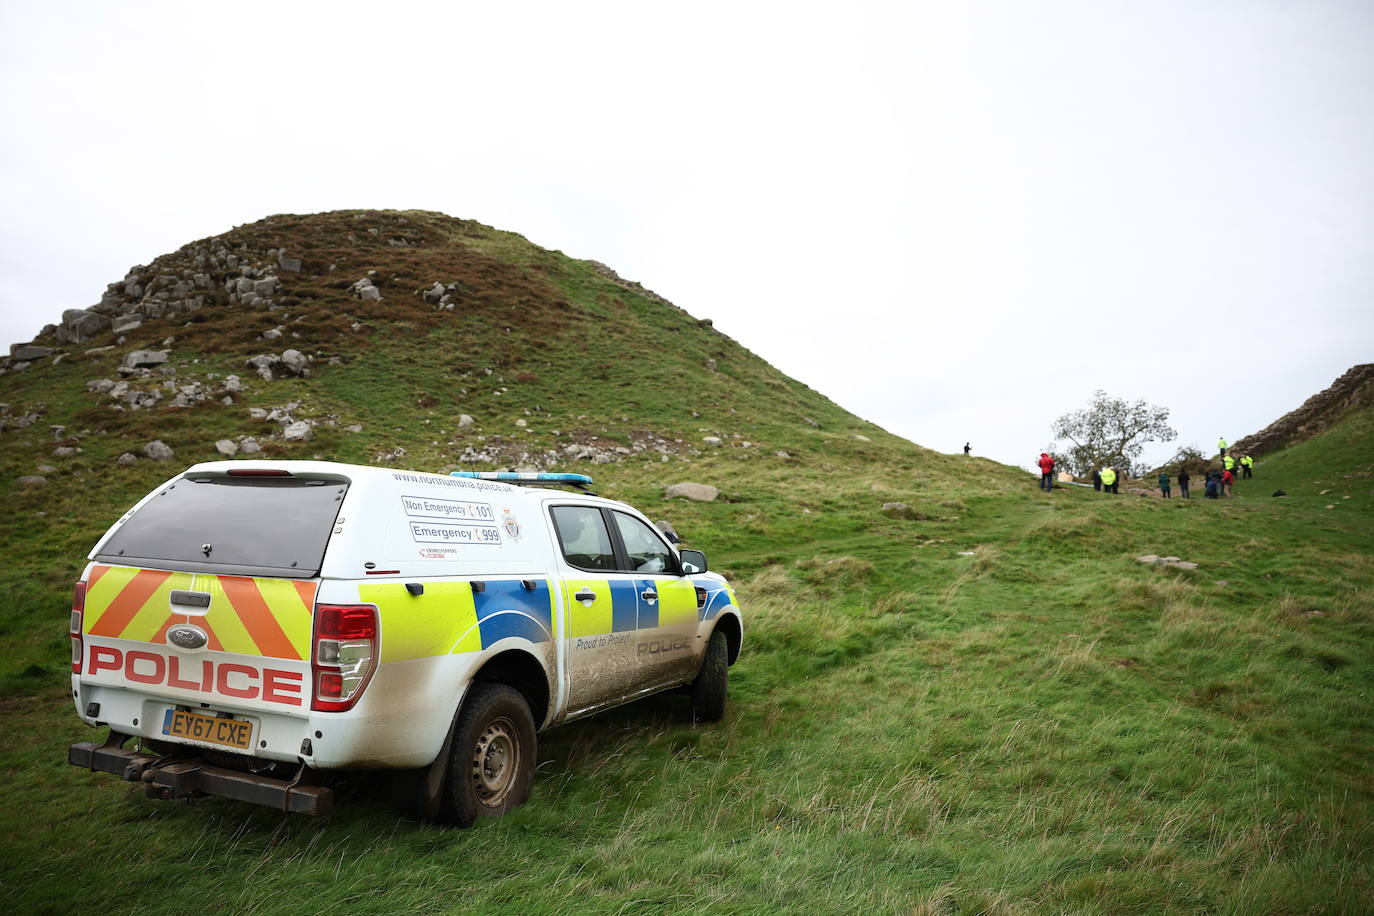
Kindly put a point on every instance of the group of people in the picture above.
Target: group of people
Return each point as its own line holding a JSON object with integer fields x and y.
{"x": 1220, "y": 481}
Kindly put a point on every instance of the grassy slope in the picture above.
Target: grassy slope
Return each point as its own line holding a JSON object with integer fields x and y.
{"x": 1041, "y": 724}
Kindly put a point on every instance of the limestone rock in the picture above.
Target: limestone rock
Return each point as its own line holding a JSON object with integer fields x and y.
{"x": 79, "y": 325}
{"x": 32, "y": 480}
{"x": 465, "y": 421}
{"x": 295, "y": 361}
{"x": 300, "y": 431}
{"x": 289, "y": 264}
{"x": 899, "y": 510}
{"x": 227, "y": 447}
{"x": 29, "y": 352}
{"x": 126, "y": 323}
{"x": 697, "y": 492}
{"x": 144, "y": 359}
{"x": 126, "y": 458}
{"x": 158, "y": 450}
{"x": 713, "y": 441}
{"x": 250, "y": 446}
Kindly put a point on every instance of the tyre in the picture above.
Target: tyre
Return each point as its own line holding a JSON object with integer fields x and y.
{"x": 709, "y": 687}
{"x": 491, "y": 762}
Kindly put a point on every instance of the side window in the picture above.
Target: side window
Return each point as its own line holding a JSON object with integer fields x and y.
{"x": 582, "y": 534}
{"x": 647, "y": 551}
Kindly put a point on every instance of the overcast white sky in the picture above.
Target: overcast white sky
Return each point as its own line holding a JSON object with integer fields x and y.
{"x": 956, "y": 219}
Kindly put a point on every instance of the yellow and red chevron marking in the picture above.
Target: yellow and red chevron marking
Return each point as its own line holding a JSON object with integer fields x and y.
{"x": 247, "y": 615}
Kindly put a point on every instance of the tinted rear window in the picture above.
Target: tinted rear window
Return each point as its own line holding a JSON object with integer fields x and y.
{"x": 265, "y": 526}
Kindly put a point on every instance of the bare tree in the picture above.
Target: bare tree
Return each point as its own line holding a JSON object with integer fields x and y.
{"x": 1111, "y": 431}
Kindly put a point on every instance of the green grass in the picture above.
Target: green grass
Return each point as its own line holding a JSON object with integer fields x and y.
{"x": 997, "y": 710}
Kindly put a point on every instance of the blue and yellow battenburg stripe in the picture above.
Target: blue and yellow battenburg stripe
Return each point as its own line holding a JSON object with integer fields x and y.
{"x": 449, "y": 617}
{"x": 718, "y": 597}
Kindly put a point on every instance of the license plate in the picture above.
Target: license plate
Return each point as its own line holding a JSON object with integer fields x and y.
{"x": 213, "y": 729}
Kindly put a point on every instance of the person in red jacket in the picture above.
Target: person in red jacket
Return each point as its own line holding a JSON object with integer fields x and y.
{"x": 1046, "y": 472}
{"x": 1227, "y": 480}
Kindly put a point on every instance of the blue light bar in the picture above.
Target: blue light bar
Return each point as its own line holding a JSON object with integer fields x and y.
{"x": 523, "y": 476}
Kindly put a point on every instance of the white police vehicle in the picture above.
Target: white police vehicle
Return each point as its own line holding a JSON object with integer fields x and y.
{"x": 249, "y": 626}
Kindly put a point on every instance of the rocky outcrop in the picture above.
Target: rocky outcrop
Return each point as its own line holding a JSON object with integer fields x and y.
{"x": 1321, "y": 411}
{"x": 80, "y": 325}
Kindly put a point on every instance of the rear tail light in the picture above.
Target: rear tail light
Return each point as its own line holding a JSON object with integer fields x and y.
{"x": 258, "y": 472}
{"x": 74, "y": 628}
{"x": 345, "y": 653}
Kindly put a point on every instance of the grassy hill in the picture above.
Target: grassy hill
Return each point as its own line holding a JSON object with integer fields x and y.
{"x": 988, "y": 707}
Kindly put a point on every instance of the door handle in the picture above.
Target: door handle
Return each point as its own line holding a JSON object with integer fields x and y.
{"x": 649, "y": 595}
{"x": 585, "y": 594}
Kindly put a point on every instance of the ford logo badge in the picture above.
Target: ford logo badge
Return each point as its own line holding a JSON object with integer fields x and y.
{"x": 186, "y": 636}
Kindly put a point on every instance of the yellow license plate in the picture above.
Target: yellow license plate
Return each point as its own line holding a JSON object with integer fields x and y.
{"x": 214, "y": 729}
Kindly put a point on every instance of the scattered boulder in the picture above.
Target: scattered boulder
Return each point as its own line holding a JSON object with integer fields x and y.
{"x": 158, "y": 450}
{"x": 126, "y": 323}
{"x": 292, "y": 265}
{"x": 1152, "y": 560}
{"x": 713, "y": 441}
{"x": 364, "y": 289}
{"x": 126, "y": 458}
{"x": 522, "y": 423}
{"x": 300, "y": 431}
{"x": 65, "y": 451}
{"x": 295, "y": 361}
{"x": 232, "y": 383}
{"x": 144, "y": 359}
{"x": 271, "y": 334}
{"x": 465, "y": 421}
{"x": 227, "y": 447}
{"x": 862, "y": 438}
{"x": 697, "y": 492}
{"x": 32, "y": 480}
{"x": 100, "y": 385}
{"x": 250, "y": 446}
{"x": 900, "y": 510}
{"x": 29, "y": 352}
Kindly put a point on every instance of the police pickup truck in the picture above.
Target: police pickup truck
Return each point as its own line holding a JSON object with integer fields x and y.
{"x": 248, "y": 627}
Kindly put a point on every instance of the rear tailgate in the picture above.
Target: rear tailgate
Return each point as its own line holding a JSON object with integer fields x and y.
{"x": 200, "y": 639}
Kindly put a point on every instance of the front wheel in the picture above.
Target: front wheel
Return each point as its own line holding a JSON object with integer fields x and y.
{"x": 709, "y": 687}
{"x": 491, "y": 762}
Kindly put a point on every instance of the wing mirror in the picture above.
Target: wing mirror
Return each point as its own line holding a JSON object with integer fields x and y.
{"x": 693, "y": 562}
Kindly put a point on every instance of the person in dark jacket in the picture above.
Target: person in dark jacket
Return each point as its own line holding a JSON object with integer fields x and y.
{"x": 1213, "y": 484}
{"x": 1164, "y": 485}
{"x": 1046, "y": 472}
{"x": 1183, "y": 479}
{"x": 966, "y": 448}
{"x": 1097, "y": 480}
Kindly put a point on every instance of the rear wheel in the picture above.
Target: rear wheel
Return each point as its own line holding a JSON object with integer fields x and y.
{"x": 709, "y": 687}
{"x": 491, "y": 762}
